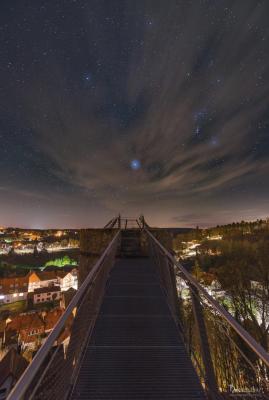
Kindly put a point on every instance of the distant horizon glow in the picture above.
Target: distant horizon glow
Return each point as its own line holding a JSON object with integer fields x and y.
{"x": 202, "y": 225}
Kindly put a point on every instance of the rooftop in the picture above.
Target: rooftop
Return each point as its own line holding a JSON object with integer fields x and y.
{"x": 47, "y": 289}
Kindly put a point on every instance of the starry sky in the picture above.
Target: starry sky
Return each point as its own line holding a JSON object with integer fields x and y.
{"x": 154, "y": 107}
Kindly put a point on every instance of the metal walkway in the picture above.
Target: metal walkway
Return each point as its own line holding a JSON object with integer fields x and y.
{"x": 135, "y": 351}
{"x": 118, "y": 338}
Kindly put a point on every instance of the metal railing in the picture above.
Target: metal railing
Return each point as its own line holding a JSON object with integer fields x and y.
{"x": 52, "y": 371}
{"x": 124, "y": 223}
{"x": 113, "y": 223}
{"x": 203, "y": 305}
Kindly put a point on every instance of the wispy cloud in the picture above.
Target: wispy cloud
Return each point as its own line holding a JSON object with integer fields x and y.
{"x": 193, "y": 91}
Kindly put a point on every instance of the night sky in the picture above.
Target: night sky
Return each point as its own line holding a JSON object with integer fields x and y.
{"x": 155, "y": 107}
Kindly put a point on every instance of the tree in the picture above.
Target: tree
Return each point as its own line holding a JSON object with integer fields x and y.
{"x": 197, "y": 271}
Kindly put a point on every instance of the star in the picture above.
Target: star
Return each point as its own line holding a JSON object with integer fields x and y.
{"x": 87, "y": 77}
{"x": 135, "y": 164}
{"x": 214, "y": 141}
{"x": 197, "y": 130}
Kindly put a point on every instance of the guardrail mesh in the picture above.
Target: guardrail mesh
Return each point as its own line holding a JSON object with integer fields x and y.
{"x": 57, "y": 373}
{"x": 238, "y": 372}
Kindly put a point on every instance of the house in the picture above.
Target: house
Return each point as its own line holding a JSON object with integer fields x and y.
{"x": 26, "y": 329}
{"x": 51, "y": 318}
{"x": 30, "y": 329}
{"x": 12, "y": 367}
{"x": 214, "y": 237}
{"x": 42, "y": 279}
{"x": 256, "y": 285}
{"x": 16, "y": 288}
{"x": 46, "y": 294}
{"x": 13, "y": 289}
{"x": 69, "y": 280}
{"x": 64, "y": 279}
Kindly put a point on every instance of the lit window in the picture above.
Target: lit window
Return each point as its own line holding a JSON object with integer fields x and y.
{"x": 20, "y": 294}
{"x": 2, "y": 296}
{"x": 15, "y": 294}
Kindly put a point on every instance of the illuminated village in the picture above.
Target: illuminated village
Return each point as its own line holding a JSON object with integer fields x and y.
{"x": 38, "y": 278}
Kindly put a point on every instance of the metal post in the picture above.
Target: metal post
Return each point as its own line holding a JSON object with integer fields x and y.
{"x": 174, "y": 294}
{"x": 210, "y": 379}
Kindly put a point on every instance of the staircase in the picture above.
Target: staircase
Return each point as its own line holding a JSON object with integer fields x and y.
{"x": 130, "y": 243}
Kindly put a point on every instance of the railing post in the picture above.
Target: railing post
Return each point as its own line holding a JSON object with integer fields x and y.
{"x": 210, "y": 379}
{"x": 92, "y": 244}
{"x": 174, "y": 294}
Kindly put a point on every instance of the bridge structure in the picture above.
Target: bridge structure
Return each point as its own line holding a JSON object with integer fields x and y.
{"x": 140, "y": 327}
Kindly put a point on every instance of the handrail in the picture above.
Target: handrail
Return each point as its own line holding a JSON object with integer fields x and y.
{"x": 119, "y": 220}
{"x": 255, "y": 346}
{"x": 27, "y": 377}
{"x": 111, "y": 223}
{"x": 123, "y": 222}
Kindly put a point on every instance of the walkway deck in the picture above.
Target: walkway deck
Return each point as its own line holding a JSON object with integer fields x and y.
{"x": 135, "y": 351}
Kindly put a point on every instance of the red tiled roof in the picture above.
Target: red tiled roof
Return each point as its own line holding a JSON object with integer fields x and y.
{"x": 52, "y": 317}
{"x": 25, "y": 322}
{"x": 49, "y": 275}
{"x": 46, "y": 276}
{"x": 47, "y": 289}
